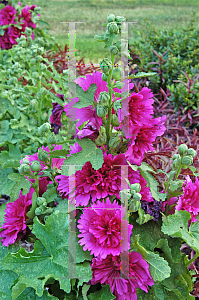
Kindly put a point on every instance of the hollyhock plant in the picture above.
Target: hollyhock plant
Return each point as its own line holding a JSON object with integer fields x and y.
{"x": 189, "y": 201}
{"x": 15, "y": 218}
{"x": 26, "y": 17}
{"x": 100, "y": 228}
{"x": 107, "y": 271}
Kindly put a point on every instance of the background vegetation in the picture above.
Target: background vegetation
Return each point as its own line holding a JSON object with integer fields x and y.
{"x": 161, "y": 13}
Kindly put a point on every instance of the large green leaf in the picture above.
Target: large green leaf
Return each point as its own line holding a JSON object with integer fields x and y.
{"x": 176, "y": 225}
{"x": 6, "y": 133}
{"x": 6, "y": 184}
{"x": 49, "y": 258}
{"x": 7, "y": 279}
{"x": 20, "y": 183}
{"x": 85, "y": 98}
{"x": 89, "y": 152}
{"x": 11, "y": 158}
{"x": 29, "y": 294}
{"x": 5, "y": 106}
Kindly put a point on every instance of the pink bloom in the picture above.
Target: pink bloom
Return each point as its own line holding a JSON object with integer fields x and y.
{"x": 170, "y": 202}
{"x": 189, "y": 201}
{"x": 107, "y": 271}
{"x": 135, "y": 177}
{"x": 7, "y": 15}
{"x": 26, "y": 16}
{"x": 100, "y": 227}
{"x": 5, "y": 41}
{"x": 75, "y": 148}
{"x": 15, "y": 218}
{"x": 142, "y": 139}
{"x": 139, "y": 109}
{"x": 89, "y": 113}
{"x": 89, "y": 131}
{"x": 14, "y": 33}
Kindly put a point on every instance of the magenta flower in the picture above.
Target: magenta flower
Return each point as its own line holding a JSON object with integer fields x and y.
{"x": 7, "y": 15}
{"x": 15, "y": 218}
{"x": 26, "y": 16}
{"x": 89, "y": 113}
{"x": 89, "y": 131}
{"x": 14, "y": 33}
{"x": 171, "y": 201}
{"x": 142, "y": 139}
{"x": 135, "y": 177}
{"x": 5, "y": 41}
{"x": 55, "y": 118}
{"x": 100, "y": 227}
{"x": 107, "y": 271}
{"x": 189, "y": 201}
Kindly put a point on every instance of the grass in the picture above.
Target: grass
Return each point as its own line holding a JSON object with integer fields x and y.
{"x": 161, "y": 13}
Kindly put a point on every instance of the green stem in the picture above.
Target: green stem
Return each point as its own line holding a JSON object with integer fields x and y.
{"x": 108, "y": 122}
{"x": 178, "y": 171}
{"x": 31, "y": 213}
{"x": 192, "y": 260}
{"x": 40, "y": 100}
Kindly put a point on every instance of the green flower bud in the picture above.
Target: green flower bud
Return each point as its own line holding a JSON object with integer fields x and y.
{"x": 112, "y": 27}
{"x": 182, "y": 149}
{"x": 187, "y": 160}
{"x": 120, "y": 19}
{"x": 134, "y": 205}
{"x": 176, "y": 162}
{"x": 104, "y": 77}
{"x": 24, "y": 169}
{"x": 51, "y": 139}
{"x": 115, "y": 142}
{"x": 115, "y": 121}
{"x": 41, "y": 200}
{"x": 119, "y": 84}
{"x": 106, "y": 65}
{"x": 110, "y": 18}
{"x": 26, "y": 161}
{"x": 34, "y": 103}
{"x": 117, "y": 105}
{"x": 137, "y": 197}
{"x": 49, "y": 210}
{"x": 43, "y": 67}
{"x": 39, "y": 210}
{"x": 104, "y": 98}
{"x": 176, "y": 156}
{"x": 35, "y": 166}
{"x": 135, "y": 187}
{"x": 44, "y": 116}
{"x": 102, "y": 111}
{"x": 114, "y": 50}
{"x": 44, "y": 128}
{"x": 117, "y": 73}
{"x": 43, "y": 155}
{"x": 101, "y": 139}
{"x": 191, "y": 152}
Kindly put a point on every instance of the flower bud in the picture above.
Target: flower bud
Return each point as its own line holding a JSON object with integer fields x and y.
{"x": 176, "y": 156}
{"x": 114, "y": 50}
{"x": 35, "y": 166}
{"x": 187, "y": 161}
{"x": 135, "y": 187}
{"x": 106, "y": 65}
{"x": 26, "y": 161}
{"x": 115, "y": 121}
{"x": 102, "y": 111}
{"x": 117, "y": 105}
{"x": 191, "y": 152}
{"x": 117, "y": 73}
{"x": 43, "y": 156}
{"x": 41, "y": 200}
{"x": 24, "y": 169}
{"x": 39, "y": 210}
{"x": 134, "y": 205}
{"x": 112, "y": 27}
{"x": 176, "y": 162}
{"x": 104, "y": 98}
{"x": 104, "y": 77}
{"x": 101, "y": 139}
{"x": 44, "y": 116}
{"x": 115, "y": 142}
{"x": 182, "y": 149}
{"x": 137, "y": 197}
{"x": 119, "y": 84}
{"x": 44, "y": 128}
{"x": 119, "y": 19}
{"x": 110, "y": 18}
{"x": 34, "y": 103}
{"x": 51, "y": 139}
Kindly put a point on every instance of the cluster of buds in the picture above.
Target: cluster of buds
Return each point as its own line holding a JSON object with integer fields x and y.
{"x": 42, "y": 208}
{"x": 133, "y": 195}
{"x": 184, "y": 157}
{"x": 26, "y": 168}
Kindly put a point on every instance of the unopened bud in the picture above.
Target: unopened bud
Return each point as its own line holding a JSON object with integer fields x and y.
{"x": 41, "y": 200}
{"x": 182, "y": 149}
{"x": 191, "y": 152}
{"x": 35, "y": 166}
{"x": 26, "y": 161}
{"x": 110, "y": 18}
{"x": 114, "y": 50}
{"x": 135, "y": 187}
{"x": 112, "y": 27}
{"x": 187, "y": 161}
{"x": 176, "y": 156}
{"x": 134, "y": 205}
{"x": 104, "y": 98}
{"x": 117, "y": 73}
{"x": 43, "y": 155}
{"x": 24, "y": 169}
{"x": 104, "y": 77}
{"x": 102, "y": 111}
{"x": 115, "y": 121}
{"x": 106, "y": 65}
{"x": 34, "y": 103}
{"x": 119, "y": 19}
{"x": 115, "y": 142}
{"x": 101, "y": 139}
{"x": 137, "y": 197}
{"x": 44, "y": 128}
